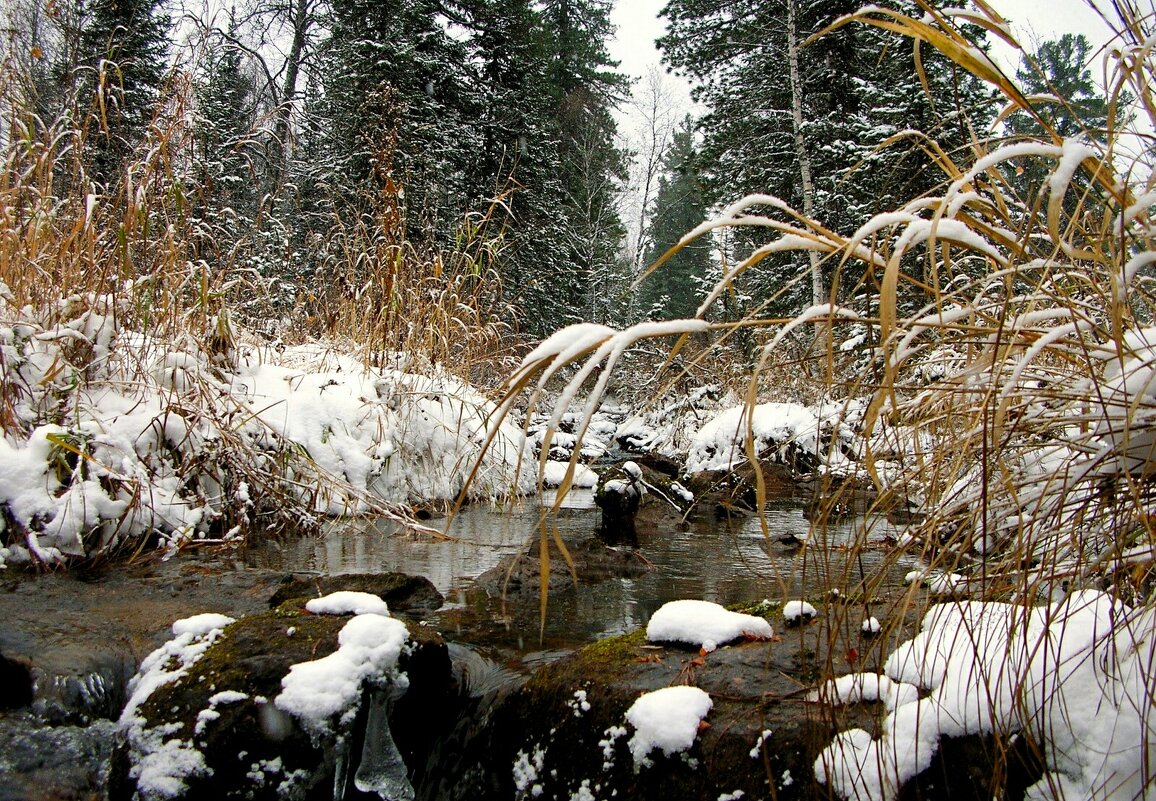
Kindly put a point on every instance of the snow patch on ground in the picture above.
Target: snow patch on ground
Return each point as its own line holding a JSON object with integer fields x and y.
{"x": 667, "y": 720}
{"x": 704, "y": 624}
{"x": 795, "y": 612}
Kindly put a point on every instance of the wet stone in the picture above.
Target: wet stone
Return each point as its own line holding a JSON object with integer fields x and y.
{"x": 252, "y": 750}
{"x": 61, "y": 763}
{"x": 414, "y": 595}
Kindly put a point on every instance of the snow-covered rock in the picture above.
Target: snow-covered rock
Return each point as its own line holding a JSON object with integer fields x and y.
{"x": 1073, "y": 675}
{"x": 704, "y": 624}
{"x": 667, "y": 720}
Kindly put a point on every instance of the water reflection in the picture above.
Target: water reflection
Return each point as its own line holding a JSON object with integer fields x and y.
{"x": 724, "y": 562}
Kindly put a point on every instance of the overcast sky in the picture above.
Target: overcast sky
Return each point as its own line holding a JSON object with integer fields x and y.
{"x": 1033, "y": 20}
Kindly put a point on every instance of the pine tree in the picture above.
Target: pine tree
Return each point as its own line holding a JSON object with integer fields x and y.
{"x": 1058, "y": 79}
{"x": 226, "y": 117}
{"x": 547, "y": 89}
{"x": 675, "y": 289}
{"x": 585, "y": 90}
{"x": 123, "y": 53}
{"x": 856, "y": 86}
{"x": 399, "y": 111}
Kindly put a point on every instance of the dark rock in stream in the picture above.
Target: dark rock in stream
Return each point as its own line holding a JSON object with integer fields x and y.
{"x": 402, "y": 592}
{"x": 517, "y": 577}
{"x": 222, "y": 709}
{"x": 618, "y": 495}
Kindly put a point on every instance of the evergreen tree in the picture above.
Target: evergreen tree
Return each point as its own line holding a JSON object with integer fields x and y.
{"x": 585, "y": 90}
{"x": 399, "y": 110}
{"x": 226, "y": 116}
{"x": 123, "y": 54}
{"x": 548, "y": 90}
{"x": 675, "y": 289}
{"x": 856, "y": 86}
{"x": 520, "y": 154}
{"x": 1065, "y": 97}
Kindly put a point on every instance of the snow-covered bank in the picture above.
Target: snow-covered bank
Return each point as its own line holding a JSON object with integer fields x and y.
{"x": 1075, "y": 676}
{"x": 113, "y": 437}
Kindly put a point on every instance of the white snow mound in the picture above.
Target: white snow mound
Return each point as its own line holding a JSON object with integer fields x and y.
{"x": 347, "y": 602}
{"x": 704, "y": 624}
{"x": 666, "y": 719}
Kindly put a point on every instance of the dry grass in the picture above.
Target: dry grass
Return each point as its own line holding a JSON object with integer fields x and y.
{"x": 1005, "y": 394}
{"x": 172, "y": 295}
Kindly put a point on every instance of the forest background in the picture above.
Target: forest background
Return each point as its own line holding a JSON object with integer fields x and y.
{"x": 331, "y": 167}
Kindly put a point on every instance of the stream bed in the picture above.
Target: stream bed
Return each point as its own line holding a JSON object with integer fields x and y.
{"x": 70, "y": 641}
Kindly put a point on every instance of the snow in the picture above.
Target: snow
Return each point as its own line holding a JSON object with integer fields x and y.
{"x": 554, "y": 472}
{"x": 116, "y": 435}
{"x": 346, "y": 602}
{"x": 720, "y": 444}
{"x": 758, "y": 747}
{"x": 1073, "y": 675}
{"x": 329, "y": 689}
{"x": 859, "y": 687}
{"x": 704, "y": 624}
{"x": 798, "y": 611}
{"x": 667, "y": 720}
{"x": 527, "y": 769}
{"x": 162, "y": 762}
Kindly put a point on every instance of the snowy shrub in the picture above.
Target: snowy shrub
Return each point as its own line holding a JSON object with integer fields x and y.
{"x": 115, "y": 437}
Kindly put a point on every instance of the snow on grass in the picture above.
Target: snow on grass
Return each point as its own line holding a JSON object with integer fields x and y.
{"x": 1074, "y": 676}
{"x": 112, "y": 435}
{"x": 328, "y": 691}
{"x": 161, "y": 761}
{"x": 704, "y": 624}
{"x": 667, "y": 720}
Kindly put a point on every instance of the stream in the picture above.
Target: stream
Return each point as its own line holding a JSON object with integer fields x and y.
{"x": 84, "y": 633}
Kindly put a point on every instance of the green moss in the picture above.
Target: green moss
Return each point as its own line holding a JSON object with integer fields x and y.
{"x": 613, "y": 652}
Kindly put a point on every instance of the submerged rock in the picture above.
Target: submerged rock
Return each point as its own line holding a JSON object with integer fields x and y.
{"x": 211, "y": 724}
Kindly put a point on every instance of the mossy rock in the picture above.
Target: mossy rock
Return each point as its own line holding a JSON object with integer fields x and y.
{"x": 763, "y": 736}
{"x": 753, "y": 686}
{"x": 400, "y": 591}
{"x": 253, "y": 750}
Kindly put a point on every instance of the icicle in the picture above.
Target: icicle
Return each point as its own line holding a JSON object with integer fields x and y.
{"x": 382, "y": 769}
{"x": 340, "y": 768}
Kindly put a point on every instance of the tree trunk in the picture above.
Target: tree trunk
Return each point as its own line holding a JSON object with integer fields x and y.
{"x": 282, "y": 129}
{"x": 818, "y": 292}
